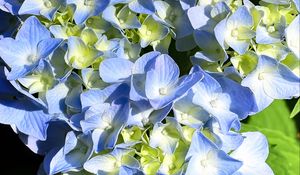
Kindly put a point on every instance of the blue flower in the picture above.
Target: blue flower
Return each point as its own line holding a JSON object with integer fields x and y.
{"x": 162, "y": 83}
{"x": 142, "y": 113}
{"x": 46, "y": 8}
{"x": 166, "y": 136}
{"x": 119, "y": 161}
{"x": 72, "y": 156}
{"x": 218, "y": 96}
{"x": 26, "y": 114}
{"x": 87, "y": 8}
{"x": 33, "y": 43}
{"x": 123, "y": 19}
{"x": 253, "y": 152}
{"x": 235, "y": 31}
{"x": 203, "y": 156}
{"x": 271, "y": 80}
{"x": 106, "y": 123}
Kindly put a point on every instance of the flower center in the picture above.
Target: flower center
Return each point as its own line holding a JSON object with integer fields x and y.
{"x": 204, "y": 163}
{"x": 121, "y": 21}
{"x": 89, "y": 2}
{"x": 148, "y": 32}
{"x": 271, "y": 29}
{"x": 47, "y": 4}
{"x": 183, "y": 116}
{"x": 164, "y": 132}
{"x": 261, "y": 76}
{"x": 171, "y": 166}
{"x": 163, "y": 91}
{"x": 214, "y": 103}
{"x": 31, "y": 58}
{"x": 235, "y": 33}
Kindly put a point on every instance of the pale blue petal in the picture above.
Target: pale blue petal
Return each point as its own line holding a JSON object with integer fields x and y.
{"x": 264, "y": 37}
{"x": 200, "y": 18}
{"x": 201, "y": 155}
{"x": 115, "y": 70}
{"x": 141, "y": 66}
{"x": 20, "y": 72}
{"x": 73, "y": 98}
{"x": 47, "y": 46}
{"x": 142, "y": 6}
{"x": 31, "y": 7}
{"x": 253, "y": 153}
{"x": 55, "y": 138}
{"x": 124, "y": 170}
{"x": 241, "y": 17}
{"x": 110, "y": 93}
{"x": 283, "y": 84}
{"x": 199, "y": 145}
{"x": 292, "y": 34}
{"x": 14, "y": 53}
{"x": 243, "y": 101}
{"x": 28, "y": 118}
{"x": 219, "y": 32}
{"x": 32, "y": 31}
{"x": 240, "y": 46}
{"x": 186, "y": 4}
{"x": 212, "y": 51}
{"x": 56, "y": 99}
{"x": 71, "y": 142}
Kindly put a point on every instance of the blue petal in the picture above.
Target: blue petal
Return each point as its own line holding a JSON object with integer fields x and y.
{"x": 110, "y": 93}
{"x": 115, "y": 70}
{"x": 142, "y": 6}
{"x": 186, "y": 4}
{"x": 19, "y": 72}
{"x": 292, "y": 35}
{"x": 47, "y": 46}
{"x": 212, "y": 51}
{"x": 32, "y": 31}
{"x": 55, "y": 138}
{"x": 164, "y": 75}
{"x": 6, "y": 88}
{"x": 264, "y": 37}
{"x": 130, "y": 171}
{"x": 202, "y": 152}
{"x": 271, "y": 80}
{"x": 200, "y": 18}
{"x": 14, "y": 53}
{"x": 84, "y": 11}
{"x": 56, "y": 99}
{"x": 31, "y": 7}
{"x": 253, "y": 153}
{"x": 73, "y": 98}
{"x": 243, "y": 101}
{"x": 141, "y": 66}
{"x": 242, "y": 17}
{"x": 199, "y": 145}
{"x": 28, "y": 118}
{"x": 57, "y": 161}
{"x": 219, "y": 32}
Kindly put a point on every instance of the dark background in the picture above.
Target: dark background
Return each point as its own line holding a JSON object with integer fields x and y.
{"x": 15, "y": 157}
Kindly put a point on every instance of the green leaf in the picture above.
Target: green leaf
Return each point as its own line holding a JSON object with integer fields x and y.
{"x": 296, "y": 109}
{"x": 284, "y": 151}
{"x": 275, "y": 117}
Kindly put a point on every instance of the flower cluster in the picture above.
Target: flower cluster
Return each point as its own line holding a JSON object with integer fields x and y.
{"x": 91, "y": 84}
